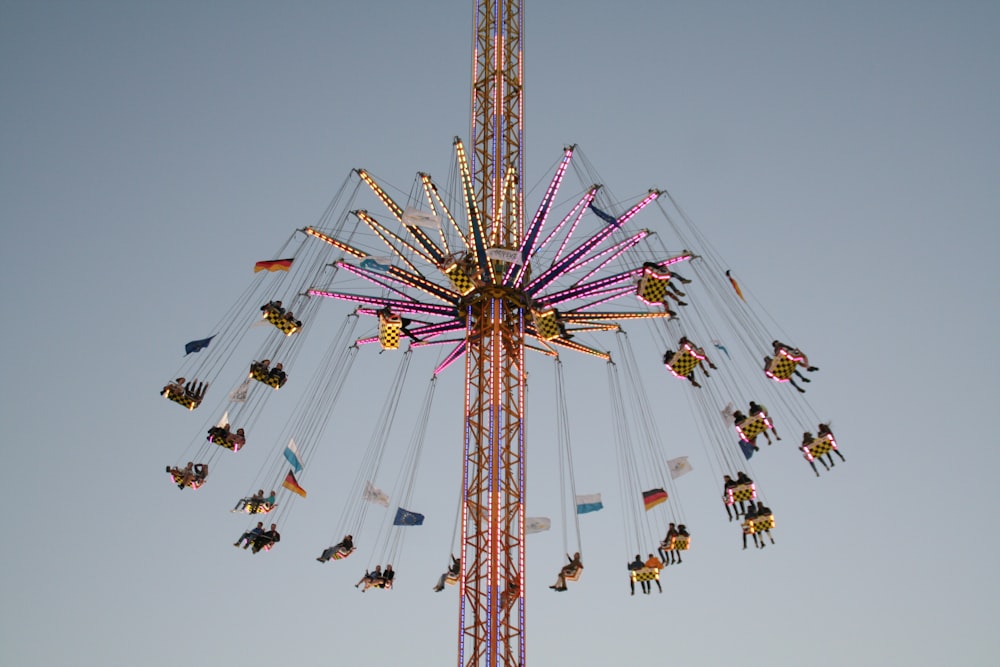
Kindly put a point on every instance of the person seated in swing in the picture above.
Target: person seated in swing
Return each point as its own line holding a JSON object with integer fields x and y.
{"x": 742, "y": 481}
{"x": 195, "y": 390}
{"x": 569, "y": 571}
{"x": 344, "y": 547}
{"x": 237, "y": 439}
{"x": 654, "y": 563}
{"x": 247, "y": 538}
{"x": 176, "y": 388}
{"x": 370, "y": 578}
{"x": 748, "y": 525}
{"x": 759, "y": 411}
{"x": 695, "y": 357}
{"x": 272, "y": 307}
{"x": 388, "y": 574}
{"x": 764, "y": 519}
{"x": 277, "y": 375}
{"x": 200, "y": 474}
{"x": 219, "y": 434}
{"x": 682, "y": 534}
{"x": 267, "y": 539}
{"x": 803, "y": 360}
{"x": 182, "y": 476}
{"x": 823, "y": 431}
{"x": 667, "y": 545}
{"x": 634, "y": 567}
{"x": 727, "y": 484}
{"x": 450, "y": 573}
{"x": 290, "y": 318}
{"x": 243, "y": 503}
{"x": 807, "y": 439}
{"x": 260, "y": 368}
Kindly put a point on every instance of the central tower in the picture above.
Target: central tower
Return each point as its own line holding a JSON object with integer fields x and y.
{"x": 492, "y": 616}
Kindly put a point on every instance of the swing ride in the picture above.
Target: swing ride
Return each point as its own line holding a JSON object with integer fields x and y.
{"x": 457, "y": 267}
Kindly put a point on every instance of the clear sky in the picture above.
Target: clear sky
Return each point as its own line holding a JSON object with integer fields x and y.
{"x": 843, "y": 157}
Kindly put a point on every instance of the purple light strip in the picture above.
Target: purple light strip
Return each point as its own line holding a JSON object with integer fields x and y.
{"x": 577, "y": 214}
{"x": 617, "y": 250}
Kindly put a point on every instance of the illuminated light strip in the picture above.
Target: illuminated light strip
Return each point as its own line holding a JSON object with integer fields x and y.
{"x": 400, "y": 306}
{"x": 611, "y": 297}
{"x": 507, "y": 190}
{"x": 384, "y": 233}
{"x": 432, "y": 194}
{"x": 568, "y": 344}
{"x": 578, "y": 211}
{"x": 471, "y": 206}
{"x": 596, "y": 327}
{"x": 381, "y": 194}
{"x": 618, "y": 249}
{"x": 555, "y": 271}
{"x": 580, "y": 318}
{"x": 541, "y": 215}
{"x": 350, "y": 250}
{"x": 400, "y": 276}
{"x": 424, "y": 285}
{"x": 366, "y": 341}
{"x": 584, "y": 290}
{"x": 372, "y": 277}
{"x": 547, "y": 351}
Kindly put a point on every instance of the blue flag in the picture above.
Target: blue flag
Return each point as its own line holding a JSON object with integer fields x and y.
{"x": 196, "y": 345}
{"x": 292, "y": 454}
{"x": 606, "y": 217}
{"x": 748, "y": 448}
{"x": 372, "y": 265}
{"x": 590, "y": 502}
{"x": 407, "y": 518}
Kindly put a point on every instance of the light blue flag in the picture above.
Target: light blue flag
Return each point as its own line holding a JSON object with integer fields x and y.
{"x": 590, "y": 502}
{"x": 408, "y": 518}
{"x": 372, "y": 265}
{"x": 292, "y": 454}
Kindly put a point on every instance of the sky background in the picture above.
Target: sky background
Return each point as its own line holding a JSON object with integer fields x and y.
{"x": 843, "y": 157}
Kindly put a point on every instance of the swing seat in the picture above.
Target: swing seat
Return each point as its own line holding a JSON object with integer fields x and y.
{"x": 460, "y": 278}
{"x": 261, "y": 374}
{"x": 753, "y": 426}
{"x": 820, "y": 446}
{"x": 684, "y": 361}
{"x": 451, "y": 579}
{"x": 258, "y": 507}
{"x": 378, "y": 583}
{"x": 764, "y": 523}
{"x": 547, "y": 323}
{"x": 179, "y": 395}
{"x": 229, "y": 440}
{"x": 749, "y": 526}
{"x": 389, "y": 327}
{"x": 652, "y": 286}
{"x": 276, "y": 317}
{"x": 782, "y": 365}
{"x": 677, "y": 543}
{"x": 177, "y": 477}
{"x": 741, "y": 493}
{"x": 342, "y": 553}
{"x": 574, "y": 574}
{"x": 645, "y": 574}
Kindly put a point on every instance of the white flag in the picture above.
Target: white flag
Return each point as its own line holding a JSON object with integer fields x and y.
{"x": 537, "y": 524}
{"x": 679, "y": 466}
{"x": 373, "y": 494}
{"x": 225, "y": 419}
{"x": 239, "y": 395}
{"x": 505, "y": 255}
{"x": 417, "y": 218}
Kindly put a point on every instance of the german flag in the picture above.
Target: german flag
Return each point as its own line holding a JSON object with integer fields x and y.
{"x": 653, "y": 497}
{"x": 292, "y": 485}
{"x": 273, "y": 265}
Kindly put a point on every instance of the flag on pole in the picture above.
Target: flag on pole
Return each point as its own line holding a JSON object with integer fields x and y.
{"x": 292, "y": 454}
{"x": 719, "y": 346}
{"x": 590, "y": 502}
{"x": 736, "y": 285}
{"x": 407, "y": 518}
{"x": 293, "y": 485}
{"x": 653, "y": 497}
{"x": 679, "y": 466}
{"x": 537, "y": 524}
{"x": 373, "y": 494}
{"x": 273, "y": 265}
{"x": 239, "y": 395}
{"x": 417, "y": 218}
{"x": 197, "y": 345}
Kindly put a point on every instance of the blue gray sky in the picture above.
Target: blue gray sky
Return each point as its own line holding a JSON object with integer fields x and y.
{"x": 842, "y": 157}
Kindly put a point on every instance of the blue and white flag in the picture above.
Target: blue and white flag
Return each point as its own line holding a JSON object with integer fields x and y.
{"x": 407, "y": 518}
{"x": 590, "y": 502}
{"x": 292, "y": 454}
{"x": 381, "y": 264}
